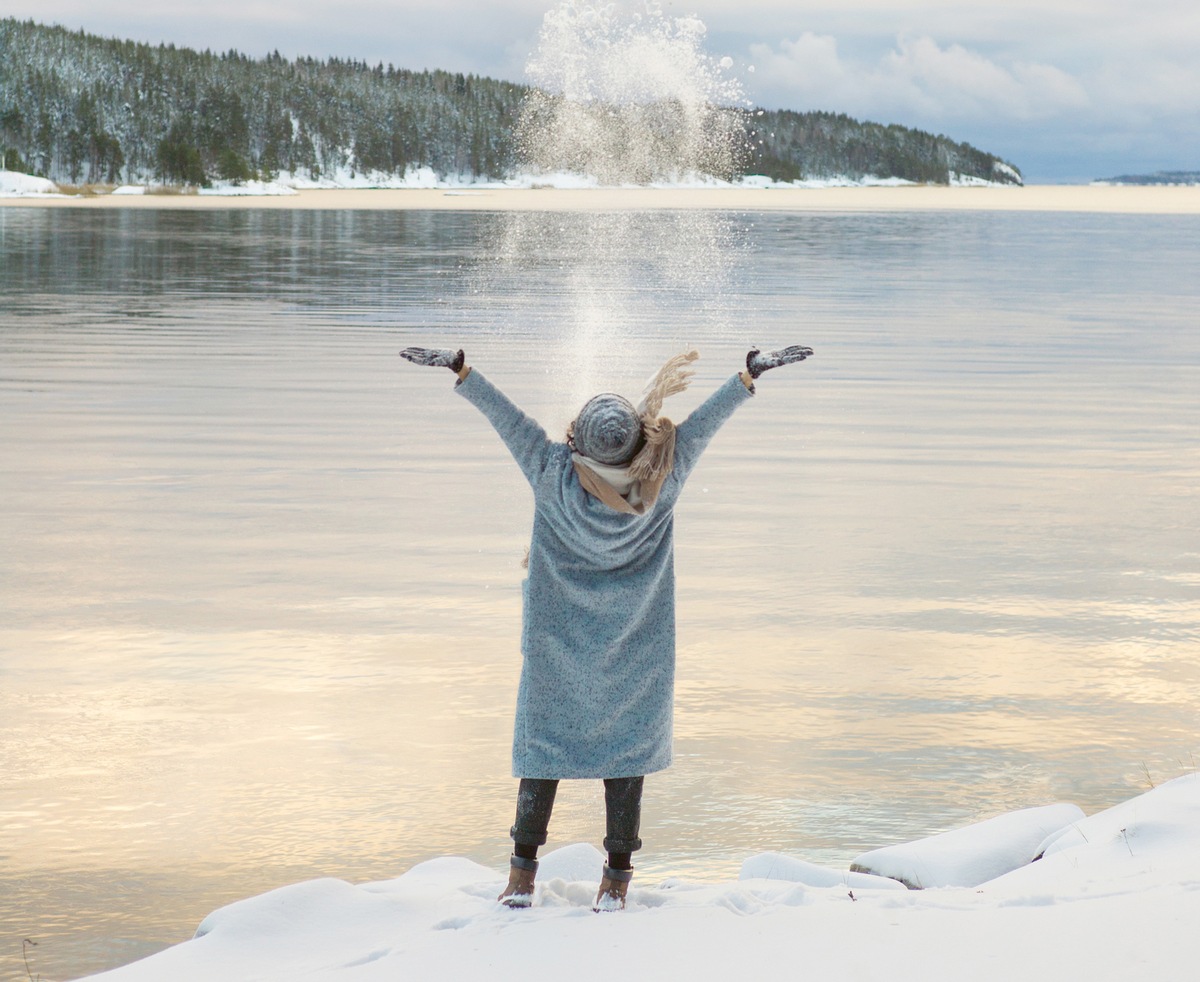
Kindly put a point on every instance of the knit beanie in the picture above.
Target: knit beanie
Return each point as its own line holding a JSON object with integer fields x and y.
{"x": 608, "y": 429}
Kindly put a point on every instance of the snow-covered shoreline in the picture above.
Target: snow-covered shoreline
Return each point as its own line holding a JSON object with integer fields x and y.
{"x": 13, "y": 184}
{"x": 1115, "y": 897}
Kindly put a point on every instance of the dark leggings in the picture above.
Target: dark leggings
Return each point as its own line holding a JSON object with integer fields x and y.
{"x": 622, "y": 803}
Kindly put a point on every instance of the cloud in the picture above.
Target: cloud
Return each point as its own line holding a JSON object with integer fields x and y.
{"x": 1064, "y": 102}
{"x": 456, "y": 35}
{"x": 1156, "y": 87}
{"x": 917, "y": 78}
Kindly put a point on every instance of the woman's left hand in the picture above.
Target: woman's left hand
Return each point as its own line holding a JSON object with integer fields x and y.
{"x": 757, "y": 362}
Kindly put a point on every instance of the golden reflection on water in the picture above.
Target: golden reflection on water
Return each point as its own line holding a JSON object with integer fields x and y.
{"x": 284, "y": 755}
{"x": 261, "y": 586}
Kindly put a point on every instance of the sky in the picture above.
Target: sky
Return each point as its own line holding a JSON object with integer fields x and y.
{"x": 1067, "y": 90}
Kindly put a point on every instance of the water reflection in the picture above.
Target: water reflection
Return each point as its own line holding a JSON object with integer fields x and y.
{"x": 259, "y": 623}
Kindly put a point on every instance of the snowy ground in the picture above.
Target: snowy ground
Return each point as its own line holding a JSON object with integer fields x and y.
{"x": 22, "y": 185}
{"x": 1116, "y": 897}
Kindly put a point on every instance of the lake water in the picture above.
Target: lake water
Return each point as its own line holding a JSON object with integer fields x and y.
{"x": 260, "y": 577}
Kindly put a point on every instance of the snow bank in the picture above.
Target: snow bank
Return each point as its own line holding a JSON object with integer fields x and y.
{"x": 837, "y": 181}
{"x": 14, "y": 185}
{"x": 256, "y": 188}
{"x": 973, "y": 855}
{"x": 22, "y": 185}
{"x": 1140, "y": 844}
{"x": 568, "y": 181}
{"x": 969, "y": 181}
{"x": 776, "y": 866}
{"x": 1005, "y": 171}
{"x": 1116, "y": 897}
{"x": 347, "y": 179}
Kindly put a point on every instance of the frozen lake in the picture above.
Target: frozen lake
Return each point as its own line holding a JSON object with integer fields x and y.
{"x": 259, "y": 595}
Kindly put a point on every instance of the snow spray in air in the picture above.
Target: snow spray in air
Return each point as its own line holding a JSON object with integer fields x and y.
{"x": 629, "y": 97}
{"x": 625, "y": 97}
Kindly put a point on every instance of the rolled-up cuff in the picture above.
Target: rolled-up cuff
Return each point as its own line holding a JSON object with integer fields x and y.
{"x": 523, "y": 838}
{"x": 622, "y": 845}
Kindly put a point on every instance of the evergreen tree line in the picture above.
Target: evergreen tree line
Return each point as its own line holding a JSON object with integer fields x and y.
{"x": 1168, "y": 177}
{"x": 78, "y": 108}
{"x": 791, "y": 146}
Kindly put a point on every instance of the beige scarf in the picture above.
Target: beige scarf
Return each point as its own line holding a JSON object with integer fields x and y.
{"x": 634, "y": 487}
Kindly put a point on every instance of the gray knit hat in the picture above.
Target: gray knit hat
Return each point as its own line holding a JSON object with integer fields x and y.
{"x": 608, "y": 429}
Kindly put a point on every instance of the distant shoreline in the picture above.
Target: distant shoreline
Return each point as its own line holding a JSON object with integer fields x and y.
{"x": 1150, "y": 199}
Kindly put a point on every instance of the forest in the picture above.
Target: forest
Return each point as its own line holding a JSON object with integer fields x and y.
{"x": 80, "y": 109}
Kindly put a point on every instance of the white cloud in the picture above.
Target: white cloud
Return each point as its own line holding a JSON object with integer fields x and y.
{"x": 1130, "y": 107}
{"x": 916, "y": 78}
{"x": 1134, "y": 87}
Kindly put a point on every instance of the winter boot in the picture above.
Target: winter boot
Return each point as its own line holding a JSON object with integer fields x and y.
{"x": 519, "y": 892}
{"x": 613, "y": 886}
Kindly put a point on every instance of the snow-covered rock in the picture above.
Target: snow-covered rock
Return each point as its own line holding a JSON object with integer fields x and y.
{"x": 1132, "y": 845}
{"x": 15, "y": 185}
{"x": 973, "y": 855}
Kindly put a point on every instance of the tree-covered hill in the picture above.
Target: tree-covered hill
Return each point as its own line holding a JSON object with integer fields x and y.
{"x": 79, "y": 108}
{"x": 76, "y": 107}
{"x": 805, "y": 146}
{"x": 1158, "y": 178}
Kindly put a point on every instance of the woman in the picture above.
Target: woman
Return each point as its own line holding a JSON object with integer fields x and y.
{"x": 598, "y": 634}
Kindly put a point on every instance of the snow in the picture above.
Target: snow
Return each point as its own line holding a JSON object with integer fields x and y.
{"x": 1005, "y": 170}
{"x": 1116, "y": 897}
{"x": 837, "y": 181}
{"x": 255, "y": 188}
{"x": 569, "y": 181}
{"x": 345, "y": 178}
{"x": 971, "y": 856}
{"x": 776, "y": 866}
{"x": 967, "y": 181}
{"x": 14, "y": 185}
{"x": 22, "y": 185}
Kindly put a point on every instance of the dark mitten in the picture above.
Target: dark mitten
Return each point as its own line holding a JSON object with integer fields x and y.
{"x": 435, "y": 357}
{"x": 757, "y": 362}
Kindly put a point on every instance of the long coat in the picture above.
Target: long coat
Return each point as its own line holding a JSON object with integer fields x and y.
{"x": 597, "y": 688}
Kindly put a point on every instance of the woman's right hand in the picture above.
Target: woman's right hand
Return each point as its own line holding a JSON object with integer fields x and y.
{"x": 757, "y": 362}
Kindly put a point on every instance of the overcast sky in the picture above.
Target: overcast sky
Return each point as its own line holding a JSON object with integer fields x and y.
{"x": 1068, "y": 90}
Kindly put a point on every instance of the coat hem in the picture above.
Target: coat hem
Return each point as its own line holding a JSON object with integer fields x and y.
{"x": 589, "y": 775}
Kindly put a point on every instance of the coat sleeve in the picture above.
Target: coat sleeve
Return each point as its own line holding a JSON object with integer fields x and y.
{"x": 524, "y": 437}
{"x": 693, "y": 434}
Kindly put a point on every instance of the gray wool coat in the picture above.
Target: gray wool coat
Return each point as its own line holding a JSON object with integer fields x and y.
{"x": 597, "y": 689}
